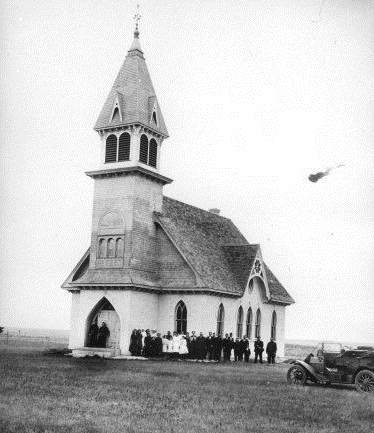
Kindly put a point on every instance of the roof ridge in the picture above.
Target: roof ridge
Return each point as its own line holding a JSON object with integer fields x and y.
{"x": 198, "y": 208}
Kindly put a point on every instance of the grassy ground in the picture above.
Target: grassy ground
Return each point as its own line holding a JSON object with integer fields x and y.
{"x": 45, "y": 393}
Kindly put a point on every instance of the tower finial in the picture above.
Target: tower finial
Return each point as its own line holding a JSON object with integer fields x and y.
{"x": 137, "y": 17}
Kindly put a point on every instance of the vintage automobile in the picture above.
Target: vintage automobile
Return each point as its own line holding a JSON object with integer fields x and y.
{"x": 333, "y": 364}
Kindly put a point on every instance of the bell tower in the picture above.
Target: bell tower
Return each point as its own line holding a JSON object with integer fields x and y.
{"x": 128, "y": 184}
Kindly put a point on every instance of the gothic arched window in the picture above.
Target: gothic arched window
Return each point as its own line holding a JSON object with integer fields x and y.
{"x": 248, "y": 326}
{"x": 220, "y": 320}
{"x": 111, "y": 149}
{"x": 124, "y": 147}
{"x": 110, "y": 248}
{"x": 102, "y": 252}
{"x": 274, "y": 325}
{"x": 181, "y": 318}
{"x": 239, "y": 323}
{"x": 153, "y": 153}
{"x": 258, "y": 324}
{"x": 119, "y": 247}
{"x": 143, "y": 154}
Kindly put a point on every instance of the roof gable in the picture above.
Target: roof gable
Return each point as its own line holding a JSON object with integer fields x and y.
{"x": 200, "y": 236}
{"x": 197, "y": 250}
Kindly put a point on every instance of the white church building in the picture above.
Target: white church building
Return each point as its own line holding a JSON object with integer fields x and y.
{"x": 155, "y": 262}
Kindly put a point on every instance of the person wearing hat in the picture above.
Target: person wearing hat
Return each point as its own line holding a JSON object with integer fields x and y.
{"x": 271, "y": 350}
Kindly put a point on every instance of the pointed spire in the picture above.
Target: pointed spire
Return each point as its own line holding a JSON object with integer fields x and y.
{"x": 135, "y": 43}
{"x": 132, "y": 99}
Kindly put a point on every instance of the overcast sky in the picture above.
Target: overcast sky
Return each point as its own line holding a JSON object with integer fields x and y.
{"x": 256, "y": 96}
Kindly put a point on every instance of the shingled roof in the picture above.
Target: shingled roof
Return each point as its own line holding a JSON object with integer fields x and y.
{"x": 211, "y": 245}
{"x": 133, "y": 94}
{"x": 199, "y": 236}
{"x": 215, "y": 248}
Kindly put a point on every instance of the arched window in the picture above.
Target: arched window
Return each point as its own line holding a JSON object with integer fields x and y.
{"x": 248, "y": 325}
{"x": 153, "y": 153}
{"x": 220, "y": 320}
{"x": 102, "y": 252}
{"x": 181, "y": 318}
{"x": 111, "y": 149}
{"x": 274, "y": 325}
{"x": 143, "y": 154}
{"x": 239, "y": 324}
{"x": 124, "y": 147}
{"x": 119, "y": 247}
{"x": 258, "y": 324}
{"x": 110, "y": 248}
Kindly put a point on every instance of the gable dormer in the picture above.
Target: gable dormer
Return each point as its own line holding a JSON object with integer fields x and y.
{"x": 116, "y": 114}
{"x": 152, "y": 109}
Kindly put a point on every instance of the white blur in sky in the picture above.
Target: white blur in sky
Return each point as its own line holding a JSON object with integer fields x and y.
{"x": 256, "y": 96}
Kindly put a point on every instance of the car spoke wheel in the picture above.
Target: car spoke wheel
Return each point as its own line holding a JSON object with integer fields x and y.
{"x": 365, "y": 381}
{"x": 296, "y": 375}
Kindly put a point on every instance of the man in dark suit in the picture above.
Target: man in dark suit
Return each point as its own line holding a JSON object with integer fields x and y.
{"x": 192, "y": 348}
{"x": 201, "y": 347}
{"x": 271, "y": 350}
{"x": 259, "y": 348}
{"x": 209, "y": 346}
{"x": 247, "y": 350}
{"x": 217, "y": 347}
{"x": 226, "y": 344}
{"x": 237, "y": 349}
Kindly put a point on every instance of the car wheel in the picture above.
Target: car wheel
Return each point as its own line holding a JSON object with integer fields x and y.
{"x": 364, "y": 381}
{"x": 296, "y": 375}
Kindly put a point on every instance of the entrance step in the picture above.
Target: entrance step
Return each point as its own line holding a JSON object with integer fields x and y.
{"x": 102, "y": 352}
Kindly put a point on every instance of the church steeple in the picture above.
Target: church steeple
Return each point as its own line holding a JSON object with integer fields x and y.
{"x": 135, "y": 94}
{"x": 132, "y": 108}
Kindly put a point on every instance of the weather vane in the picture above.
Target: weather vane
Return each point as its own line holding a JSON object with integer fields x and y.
{"x": 137, "y": 17}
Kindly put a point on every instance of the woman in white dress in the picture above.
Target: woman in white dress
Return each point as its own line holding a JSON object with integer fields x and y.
{"x": 183, "y": 350}
{"x": 165, "y": 345}
{"x": 175, "y": 343}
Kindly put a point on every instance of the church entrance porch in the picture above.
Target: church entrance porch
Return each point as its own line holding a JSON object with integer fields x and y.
{"x": 102, "y": 332}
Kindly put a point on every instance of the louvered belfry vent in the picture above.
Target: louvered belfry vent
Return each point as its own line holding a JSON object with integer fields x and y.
{"x": 153, "y": 153}
{"x": 124, "y": 147}
{"x": 143, "y": 154}
{"x": 111, "y": 149}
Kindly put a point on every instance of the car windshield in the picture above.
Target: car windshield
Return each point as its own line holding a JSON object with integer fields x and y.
{"x": 332, "y": 347}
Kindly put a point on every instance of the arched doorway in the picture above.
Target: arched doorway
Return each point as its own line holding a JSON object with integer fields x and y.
{"x": 103, "y": 312}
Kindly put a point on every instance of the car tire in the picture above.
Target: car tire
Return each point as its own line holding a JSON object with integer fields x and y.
{"x": 364, "y": 381}
{"x": 296, "y": 375}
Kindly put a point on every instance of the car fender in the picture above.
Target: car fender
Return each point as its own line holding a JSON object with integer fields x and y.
{"x": 307, "y": 367}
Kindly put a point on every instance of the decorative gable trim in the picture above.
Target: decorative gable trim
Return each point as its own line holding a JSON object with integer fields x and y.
{"x": 116, "y": 108}
{"x": 258, "y": 270}
{"x": 153, "y": 111}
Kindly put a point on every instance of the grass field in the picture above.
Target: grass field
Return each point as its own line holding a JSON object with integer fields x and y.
{"x": 56, "y": 393}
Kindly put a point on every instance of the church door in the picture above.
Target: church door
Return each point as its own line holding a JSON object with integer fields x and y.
{"x": 110, "y": 317}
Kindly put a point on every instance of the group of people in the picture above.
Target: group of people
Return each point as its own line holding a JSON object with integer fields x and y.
{"x": 213, "y": 348}
{"x": 98, "y": 336}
